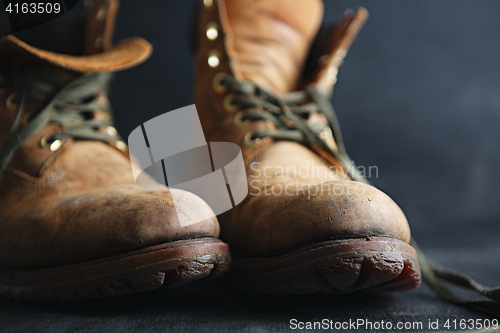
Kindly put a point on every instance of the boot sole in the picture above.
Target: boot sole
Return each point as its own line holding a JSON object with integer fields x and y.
{"x": 341, "y": 266}
{"x": 167, "y": 265}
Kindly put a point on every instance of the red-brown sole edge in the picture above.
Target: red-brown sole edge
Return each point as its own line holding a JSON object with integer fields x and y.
{"x": 337, "y": 266}
{"x": 167, "y": 265}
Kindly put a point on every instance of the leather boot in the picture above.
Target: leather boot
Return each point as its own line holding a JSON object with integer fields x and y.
{"x": 311, "y": 222}
{"x": 73, "y": 223}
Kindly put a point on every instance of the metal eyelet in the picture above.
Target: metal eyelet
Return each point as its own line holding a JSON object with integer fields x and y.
{"x": 216, "y": 83}
{"x": 208, "y": 3}
{"x": 241, "y": 123}
{"x": 52, "y": 146}
{"x": 213, "y": 58}
{"x": 212, "y": 31}
{"x": 26, "y": 119}
{"x": 122, "y": 146}
{"x": 101, "y": 13}
{"x": 248, "y": 141}
{"x": 111, "y": 131}
{"x": 11, "y": 102}
{"x": 98, "y": 42}
{"x": 228, "y": 104}
{"x": 331, "y": 75}
{"x": 326, "y": 134}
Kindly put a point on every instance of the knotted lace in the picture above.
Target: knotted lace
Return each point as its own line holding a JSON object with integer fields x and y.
{"x": 69, "y": 105}
{"x": 289, "y": 115}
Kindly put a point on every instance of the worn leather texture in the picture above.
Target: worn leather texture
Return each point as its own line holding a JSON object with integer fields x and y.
{"x": 268, "y": 45}
{"x": 81, "y": 202}
{"x": 417, "y": 97}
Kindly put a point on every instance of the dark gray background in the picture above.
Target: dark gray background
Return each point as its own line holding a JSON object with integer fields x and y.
{"x": 418, "y": 97}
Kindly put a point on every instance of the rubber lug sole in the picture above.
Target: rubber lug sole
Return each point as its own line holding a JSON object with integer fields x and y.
{"x": 340, "y": 266}
{"x": 167, "y": 265}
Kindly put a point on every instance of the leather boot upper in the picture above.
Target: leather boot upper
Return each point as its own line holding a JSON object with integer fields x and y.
{"x": 271, "y": 46}
{"x": 67, "y": 193}
{"x": 263, "y": 42}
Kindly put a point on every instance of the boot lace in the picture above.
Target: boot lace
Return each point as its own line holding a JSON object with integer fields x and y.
{"x": 71, "y": 106}
{"x": 289, "y": 115}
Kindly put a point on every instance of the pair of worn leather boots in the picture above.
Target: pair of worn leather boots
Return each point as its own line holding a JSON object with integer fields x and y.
{"x": 73, "y": 223}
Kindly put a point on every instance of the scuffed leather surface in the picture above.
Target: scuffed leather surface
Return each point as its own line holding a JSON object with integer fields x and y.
{"x": 320, "y": 207}
{"x": 270, "y": 50}
{"x": 394, "y": 114}
{"x": 263, "y": 225}
{"x": 81, "y": 202}
{"x": 85, "y": 205}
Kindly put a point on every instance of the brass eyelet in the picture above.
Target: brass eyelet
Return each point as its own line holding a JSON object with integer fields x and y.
{"x": 98, "y": 42}
{"x": 212, "y": 31}
{"x": 331, "y": 75}
{"x": 241, "y": 123}
{"x": 52, "y": 146}
{"x": 208, "y": 3}
{"x": 11, "y": 102}
{"x": 213, "y": 58}
{"x": 122, "y": 146}
{"x": 326, "y": 134}
{"x": 216, "y": 83}
{"x": 248, "y": 141}
{"x": 26, "y": 119}
{"x": 228, "y": 104}
{"x": 111, "y": 131}
{"x": 101, "y": 13}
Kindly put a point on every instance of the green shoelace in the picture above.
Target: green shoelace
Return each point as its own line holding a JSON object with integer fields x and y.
{"x": 72, "y": 106}
{"x": 289, "y": 115}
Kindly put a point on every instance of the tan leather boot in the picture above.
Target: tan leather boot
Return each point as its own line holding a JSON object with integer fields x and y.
{"x": 310, "y": 223}
{"x": 73, "y": 223}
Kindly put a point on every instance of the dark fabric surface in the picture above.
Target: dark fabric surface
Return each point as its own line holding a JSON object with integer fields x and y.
{"x": 418, "y": 97}
{"x": 215, "y": 306}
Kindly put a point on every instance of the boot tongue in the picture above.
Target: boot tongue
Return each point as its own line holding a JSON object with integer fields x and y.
{"x": 100, "y": 55}
{"x": 272, "y": 39}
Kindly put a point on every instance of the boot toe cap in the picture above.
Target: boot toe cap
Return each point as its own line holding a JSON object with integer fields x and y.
{"x": 315, "y": 213}
{"x": 63, "y": 229}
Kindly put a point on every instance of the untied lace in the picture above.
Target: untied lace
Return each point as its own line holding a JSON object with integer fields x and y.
{"x": 289, "y": 113}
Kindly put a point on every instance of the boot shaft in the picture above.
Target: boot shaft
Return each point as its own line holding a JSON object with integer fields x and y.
{"x": 281, "y": 51}
{"x": 247, "y": 46}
